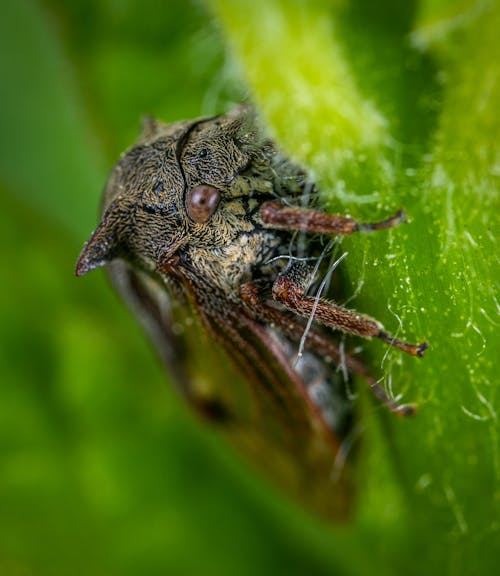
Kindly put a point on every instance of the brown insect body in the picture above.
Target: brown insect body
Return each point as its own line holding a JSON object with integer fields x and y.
{"x": 199, "y": 228}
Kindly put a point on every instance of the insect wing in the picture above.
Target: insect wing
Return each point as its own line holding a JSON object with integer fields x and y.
{"x": 234, "y": 371}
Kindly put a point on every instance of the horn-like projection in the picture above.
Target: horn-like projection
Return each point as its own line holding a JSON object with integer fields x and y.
{"x": 100, "y": 249}
{"x": 149, "y": 126}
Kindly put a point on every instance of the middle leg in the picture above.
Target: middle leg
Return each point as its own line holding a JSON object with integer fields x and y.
{"x": 293, "y": 327}
{"x": 282, "y": 217}
{"x": 290, "y": 289}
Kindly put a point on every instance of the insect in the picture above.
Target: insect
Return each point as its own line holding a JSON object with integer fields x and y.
{"x": 203, "y": 231}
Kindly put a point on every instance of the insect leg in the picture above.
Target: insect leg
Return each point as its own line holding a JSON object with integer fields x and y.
{"x": 252, "y": 295}
{"x": 290, "y": 289}
{"x": 284, "y": 217}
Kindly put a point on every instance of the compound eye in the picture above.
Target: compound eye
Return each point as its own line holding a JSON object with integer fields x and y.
{"x": 202, "y": 202}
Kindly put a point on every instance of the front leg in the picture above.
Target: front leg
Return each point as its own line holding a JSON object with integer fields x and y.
{"x": 290, "y": 289}
{"x": 277, "y": 215}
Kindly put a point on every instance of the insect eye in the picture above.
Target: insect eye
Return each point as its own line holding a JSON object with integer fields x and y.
{"x": 201, "y": 202}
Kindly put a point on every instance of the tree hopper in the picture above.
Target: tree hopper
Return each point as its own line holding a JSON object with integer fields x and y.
{"x": 219, "y": 244}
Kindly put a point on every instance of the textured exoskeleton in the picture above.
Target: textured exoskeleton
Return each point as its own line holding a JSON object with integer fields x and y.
{"x": 203, "y": 230}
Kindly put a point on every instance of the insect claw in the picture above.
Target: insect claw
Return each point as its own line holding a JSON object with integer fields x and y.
{"x": 422, "y": 348}
{"x": 401, "y": 216}
{"x": 394, "y": 406}
{"x": 398, "y": 218}
{"x": 405, "y": 410}
{"x": 412, "y": 349}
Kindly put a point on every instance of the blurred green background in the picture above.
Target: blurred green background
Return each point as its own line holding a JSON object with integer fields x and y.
{"x": 102, "y": 468}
